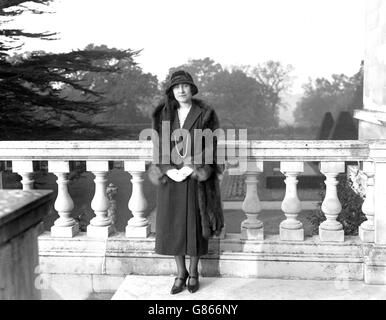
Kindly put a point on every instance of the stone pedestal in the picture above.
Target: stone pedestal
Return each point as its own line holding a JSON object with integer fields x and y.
{"x": 366, "y": 235}
{"x": 331, "y": 235}
{"x": 137, "y": 232}
{"x": 291, "y": 234}
{"x": 251, "y": 233}
{"x": 66, "y": 232}
{"x": 102, "y": 232}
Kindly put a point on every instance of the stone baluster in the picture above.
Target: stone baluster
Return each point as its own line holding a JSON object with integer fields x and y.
{"x": 366, "y": 229}
{"x": 252, "y": 228}
{"x": 112, "y": 192}
{"x": 65, "y": 225}
{"x": 331, "y": 229}
{"x": 100, "y": 226}
{"x": 291, "y": 228}
{"x": 138, "y": 226}
{"x": 25, "y": 170}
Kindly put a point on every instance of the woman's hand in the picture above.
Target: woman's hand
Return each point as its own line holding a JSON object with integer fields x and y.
{"x": 186, "y": 171}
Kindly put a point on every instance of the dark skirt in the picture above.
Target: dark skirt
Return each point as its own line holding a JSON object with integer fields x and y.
{"x": 178, "y": 222}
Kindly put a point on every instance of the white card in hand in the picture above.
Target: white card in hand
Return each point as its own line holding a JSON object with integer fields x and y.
{"x": 175, "y": 175}
{"x": 179, "y": 175}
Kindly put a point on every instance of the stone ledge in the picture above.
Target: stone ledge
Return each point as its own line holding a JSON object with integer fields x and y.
{"x": 20, "y": 210}
{"x": 272, "y": 258}
{"x": 225, "y": 266}
{"x": 119, "y": 245}
{"x": 375, "y": 117}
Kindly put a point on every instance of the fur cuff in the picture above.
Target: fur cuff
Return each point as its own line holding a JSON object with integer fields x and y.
{"x": 155, "y": 175}
{"x": 206, "y": 232}
{"x": 202, "y": 173}
{"x": 215, "y": 230}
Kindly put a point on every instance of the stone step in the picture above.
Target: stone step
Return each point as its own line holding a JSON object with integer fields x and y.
{"x": 212, "y": 288}
{"x": 229, "y": 257}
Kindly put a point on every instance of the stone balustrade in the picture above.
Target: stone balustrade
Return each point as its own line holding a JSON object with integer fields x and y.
{"x": 102, "y": 256}
{"x": 97, "y": 155}
{"x": 248, "y": 161}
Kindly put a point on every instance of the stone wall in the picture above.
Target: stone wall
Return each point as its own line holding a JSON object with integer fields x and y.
{"x": 375, "y": 56}
{"x": 372, "y": 119}
{"x": 21, "y": 215}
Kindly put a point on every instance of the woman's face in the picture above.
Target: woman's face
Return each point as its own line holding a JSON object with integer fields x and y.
{"x": 182, "y": 92}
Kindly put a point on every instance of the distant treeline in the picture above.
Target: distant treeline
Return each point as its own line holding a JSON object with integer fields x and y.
{"x": 91, "y": 93}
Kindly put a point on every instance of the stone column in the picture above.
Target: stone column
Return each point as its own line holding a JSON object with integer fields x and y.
{"x": 366, "y": 229}
{"x": 372, "y": 118}
{"x": 375, "y": 262}
{"x": 372, "y": 125}
{"x": 138, "y": 226}
{"x": 380, "y": 203}
{"x": 252, "y": 228}
{"x": 291, "y": 228}
{"x": 25, "y": 170}
{"x": 330, "y": 229}
{"x": 100, "y": 226}
{"x": 65, "y": 225}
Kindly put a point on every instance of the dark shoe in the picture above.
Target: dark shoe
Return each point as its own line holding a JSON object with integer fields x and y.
{"x": 179, "y": 288}
{"x": 193, "y": 288}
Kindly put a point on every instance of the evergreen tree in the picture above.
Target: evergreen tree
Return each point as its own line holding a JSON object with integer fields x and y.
{"x": 32, "y": 103}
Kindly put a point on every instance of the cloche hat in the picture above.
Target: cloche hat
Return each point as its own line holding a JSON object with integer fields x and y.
{"x": 180, "y": 77}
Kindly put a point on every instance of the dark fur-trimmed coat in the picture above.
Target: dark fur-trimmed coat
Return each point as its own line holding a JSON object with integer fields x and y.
{"x": 206, "y": 175}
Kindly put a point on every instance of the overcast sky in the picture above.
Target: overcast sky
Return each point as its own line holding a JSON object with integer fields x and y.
{"x": 318, "y": 37}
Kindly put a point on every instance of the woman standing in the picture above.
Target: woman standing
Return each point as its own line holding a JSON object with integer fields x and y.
{"x": 189, "y": 208}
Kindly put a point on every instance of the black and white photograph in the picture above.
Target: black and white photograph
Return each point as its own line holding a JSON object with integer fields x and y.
{"x": 187, "y": 157}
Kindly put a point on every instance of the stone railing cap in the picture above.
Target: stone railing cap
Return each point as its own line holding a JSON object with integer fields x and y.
{"x": 13, "y": 203}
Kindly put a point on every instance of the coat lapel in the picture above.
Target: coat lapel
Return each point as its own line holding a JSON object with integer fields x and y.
{"x": 192, "y": 116}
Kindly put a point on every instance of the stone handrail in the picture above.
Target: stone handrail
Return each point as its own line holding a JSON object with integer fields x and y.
{"x": 121, "y": 150}
{"x": 76, "y": 150}
{"x": 312, "y": 150}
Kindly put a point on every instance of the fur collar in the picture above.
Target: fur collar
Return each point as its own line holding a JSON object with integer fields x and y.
{"x": 161, "y": 112}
